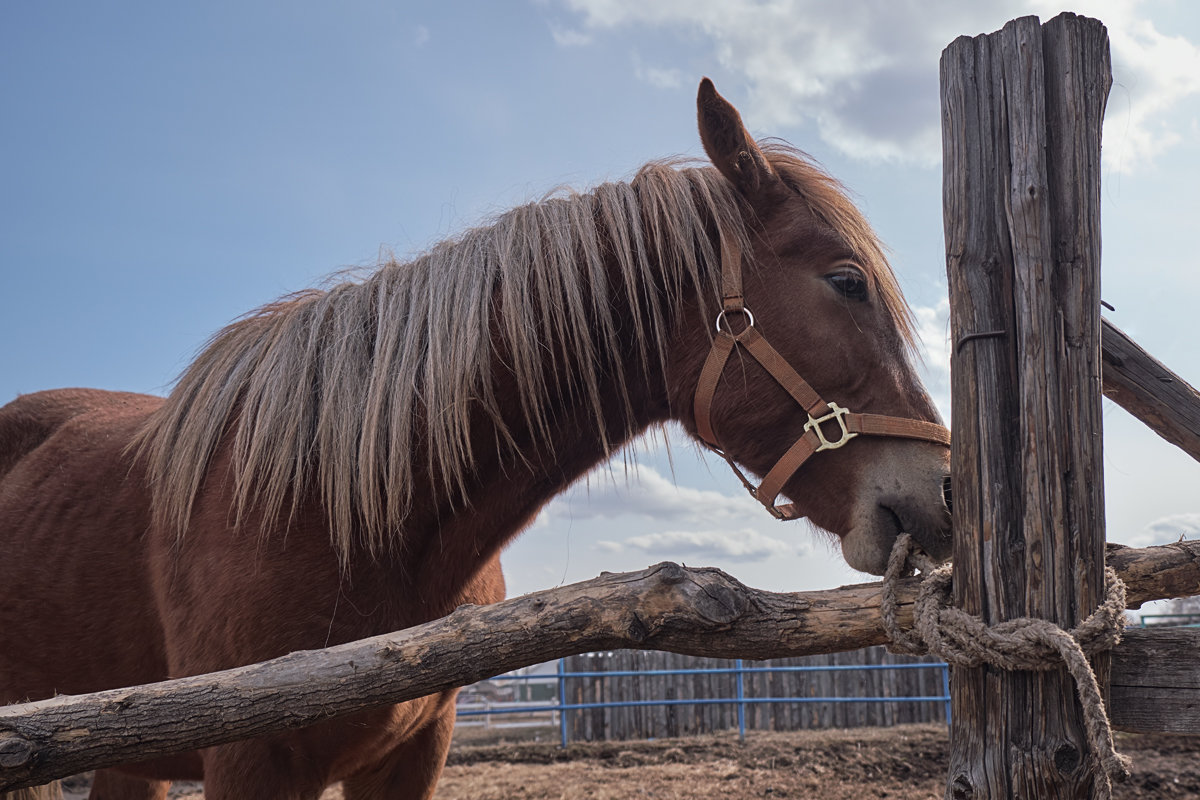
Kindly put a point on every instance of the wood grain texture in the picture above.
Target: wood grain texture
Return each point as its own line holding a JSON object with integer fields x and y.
{"x": 1021, "y": 112}
{"x": 1156, "y": 681}
{"x": 698, "y": 611}
{"x": 1143, "y": 386}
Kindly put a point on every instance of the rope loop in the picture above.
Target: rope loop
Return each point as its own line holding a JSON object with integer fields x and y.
{"x": 964, "y": 640}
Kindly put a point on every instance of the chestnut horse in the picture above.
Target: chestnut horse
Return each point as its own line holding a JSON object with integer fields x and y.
{"x": 350, "y": 462}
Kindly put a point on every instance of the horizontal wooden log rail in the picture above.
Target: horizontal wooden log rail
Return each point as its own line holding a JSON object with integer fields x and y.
{"x": 700, "y": 611}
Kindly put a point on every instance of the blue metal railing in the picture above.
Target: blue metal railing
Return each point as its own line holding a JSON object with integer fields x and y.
{"x": 739, "y": 670}
{"x": 1189, "y": 620}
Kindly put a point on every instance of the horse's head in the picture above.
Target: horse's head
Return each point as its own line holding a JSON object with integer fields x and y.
{"x": 824, "y": 298}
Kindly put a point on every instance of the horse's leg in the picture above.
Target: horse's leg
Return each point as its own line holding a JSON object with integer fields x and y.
{"x": 411, "y": 770}
{"x": 265, "y": 769}
{"x": 109, "y": 784}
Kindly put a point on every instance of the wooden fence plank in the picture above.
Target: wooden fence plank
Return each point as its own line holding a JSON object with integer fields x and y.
{"x": 1156, "y": 681}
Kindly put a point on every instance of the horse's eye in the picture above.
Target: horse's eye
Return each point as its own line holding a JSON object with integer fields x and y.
{"x": 850, "y": 284}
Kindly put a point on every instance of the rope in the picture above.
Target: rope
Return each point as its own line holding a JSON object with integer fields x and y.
{"x": 1018, "y": 644}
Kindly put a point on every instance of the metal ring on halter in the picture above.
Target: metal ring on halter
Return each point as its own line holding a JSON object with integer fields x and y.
{"x": 746, "y": 311}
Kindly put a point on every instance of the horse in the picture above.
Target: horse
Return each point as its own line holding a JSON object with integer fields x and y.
{"x": 350, "y": 461}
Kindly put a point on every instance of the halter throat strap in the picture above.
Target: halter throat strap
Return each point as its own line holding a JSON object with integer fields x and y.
{"x": 829, "y": 425}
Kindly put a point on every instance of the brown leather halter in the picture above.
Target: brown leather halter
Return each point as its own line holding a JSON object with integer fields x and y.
{"x": 848, "y": 424}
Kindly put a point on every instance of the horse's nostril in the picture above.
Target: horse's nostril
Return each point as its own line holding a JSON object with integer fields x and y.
{"x": 947, "y": 496}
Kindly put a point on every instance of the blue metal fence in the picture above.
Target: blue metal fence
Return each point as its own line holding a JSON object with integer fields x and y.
{"x": 741, "y": 700}
{"x": 1170, "y": 620}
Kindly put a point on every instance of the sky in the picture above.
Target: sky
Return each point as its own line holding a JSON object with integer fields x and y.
{"x": 166, "y": 168}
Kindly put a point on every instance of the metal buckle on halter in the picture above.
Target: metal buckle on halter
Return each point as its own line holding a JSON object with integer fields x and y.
{"x": 838, "y": 413}
{"x": 724, "y": 317}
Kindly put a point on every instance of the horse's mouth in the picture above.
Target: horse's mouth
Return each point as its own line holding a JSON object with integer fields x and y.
{"x": 933, "y": 539}
{"x": 868, "y": 545}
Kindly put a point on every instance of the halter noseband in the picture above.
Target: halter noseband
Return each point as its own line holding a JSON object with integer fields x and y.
{"x": 844, "y": 424}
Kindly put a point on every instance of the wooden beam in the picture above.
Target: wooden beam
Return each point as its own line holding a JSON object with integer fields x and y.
{"x": 1021, "y": 112}
{"x": 695, "y": 611}
{"x": 1156, "y": 681}
{"x": 1143, "y": 386}
{"x": 1156, "y": 573}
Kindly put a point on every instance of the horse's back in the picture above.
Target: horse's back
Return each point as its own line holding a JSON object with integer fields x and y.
{"x": 31, "y": 419}
{"x": 76, "y": 606}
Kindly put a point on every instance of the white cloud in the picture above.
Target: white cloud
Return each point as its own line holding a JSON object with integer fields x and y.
{"x": 1167, "y": 529}
{"x": 566, "y": 37}
{"x": 865, "y": 74}
{"x": 642, "y": 491}
{"x": 933, "y": 330}
{"x": 1153, "y": 73}
{"x": 421, "y": 36}
{"x": 656, "y": 76}
{"x": 741, "y": 545}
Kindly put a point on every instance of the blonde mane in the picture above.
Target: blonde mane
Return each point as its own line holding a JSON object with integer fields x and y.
{"x": 334, "y": 391}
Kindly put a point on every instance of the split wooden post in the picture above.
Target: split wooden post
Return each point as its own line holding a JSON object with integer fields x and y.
{"x": 1021, "y": 114}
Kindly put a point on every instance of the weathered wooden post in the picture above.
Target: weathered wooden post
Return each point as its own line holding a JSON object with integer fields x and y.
{"x": 1021, "y": 114}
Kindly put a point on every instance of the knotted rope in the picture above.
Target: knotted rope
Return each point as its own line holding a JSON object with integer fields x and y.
{"x": 1017, "y": 644}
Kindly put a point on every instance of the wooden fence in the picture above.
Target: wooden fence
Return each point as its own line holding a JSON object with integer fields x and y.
{"x": 653, "y": 721}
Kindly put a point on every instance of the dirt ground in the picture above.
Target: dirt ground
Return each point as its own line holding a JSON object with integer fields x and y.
{"x": 904, "y": 763}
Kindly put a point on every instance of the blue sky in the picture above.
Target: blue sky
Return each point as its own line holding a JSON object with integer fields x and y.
{"x": 166, "y": 168}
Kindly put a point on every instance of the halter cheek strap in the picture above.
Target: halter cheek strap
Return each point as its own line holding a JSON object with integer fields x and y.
{"x": 829, "y": 425}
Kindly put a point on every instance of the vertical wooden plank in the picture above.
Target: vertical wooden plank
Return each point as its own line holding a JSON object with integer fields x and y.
{"x": 622, "y": 660}
{"x": 1021, "y": 112}
{"x": 721, "y": 686}
{"x": 632, "y": 716}
{"x": 693, "y": 714}
{"x": 713, "y": 686}
{"x": 650, "y": 691}
{"x": 905, "y": 683}
{"x": 671, "y": 692}
{"x": 710, "y": 685}
{"x": 825, "y": 688}
{"x": 839, "y": 688}
{"x": 864, "y": 687}
{"x": 815, "y": 717}
{"x": 874, "y": 713}
{"x": 571, "y": 693}
{"x": 643, "y": 714}
{"x": 664, "y": 687}
{"x": 587, "y": 694}
{"x": 603, "y": 692}
{"x": 575, "y": 694}
{"x": 800, "y": 688}
{"x": 786, "y": 687}
{"x": 833, "y": 688}
{"x": 613, "y": 691}
{"x": 695, "y": 688}
{"x": 775, "y": 684}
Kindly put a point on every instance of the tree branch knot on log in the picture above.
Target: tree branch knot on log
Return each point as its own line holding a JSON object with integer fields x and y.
{"x": 1017, "y": 644}
{"x": 15, "y": 751}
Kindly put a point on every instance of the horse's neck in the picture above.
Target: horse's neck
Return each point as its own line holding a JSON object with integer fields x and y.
{"x": 512, "y": 484}
{"x": 516, "y": 474}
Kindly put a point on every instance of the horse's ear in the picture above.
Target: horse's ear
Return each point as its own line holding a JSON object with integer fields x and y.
{"x": 728, "y": 144}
